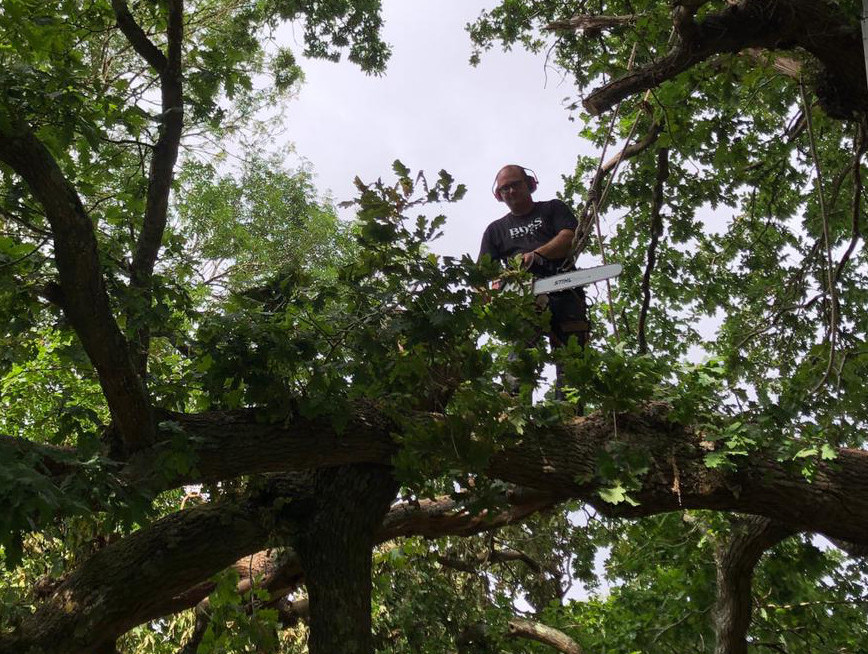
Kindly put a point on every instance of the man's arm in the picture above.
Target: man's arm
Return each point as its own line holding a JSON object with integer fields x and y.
{"x": 557, "y": 248}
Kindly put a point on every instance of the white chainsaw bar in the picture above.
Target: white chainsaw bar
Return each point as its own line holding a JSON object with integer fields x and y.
{"x": 575, "y": 278}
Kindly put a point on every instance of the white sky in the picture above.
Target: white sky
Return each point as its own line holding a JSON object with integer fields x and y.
{"x": 433, "y": 110}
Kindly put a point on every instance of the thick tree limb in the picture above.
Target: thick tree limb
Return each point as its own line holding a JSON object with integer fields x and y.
{"x": 536, "y": 631}
{"x": 165, "y": 150}
{"x": 736, "y": 559}
{"x": 563, "y": 463}
{"x": 86, "y": 303}
{"x": 816, "y": 26}
{"x": 137, "y": 37}
{"x": 560, "y": 462}
{"x": 132, "y": 581}
{"x": 227, "y": 444}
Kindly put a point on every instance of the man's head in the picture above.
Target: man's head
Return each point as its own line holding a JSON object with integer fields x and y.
{"x": 514, "y": 186}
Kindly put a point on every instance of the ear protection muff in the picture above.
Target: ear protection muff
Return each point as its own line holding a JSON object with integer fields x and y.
{"x": 529, "y": 177}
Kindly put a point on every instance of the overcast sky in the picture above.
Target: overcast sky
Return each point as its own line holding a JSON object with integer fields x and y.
{"x": 433, "y": 110}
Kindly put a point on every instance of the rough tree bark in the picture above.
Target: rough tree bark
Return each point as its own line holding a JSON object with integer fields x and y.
{"x": 335, "y": 549}
{"x": 736, "y": 558}
{"x": 561, "y": 462}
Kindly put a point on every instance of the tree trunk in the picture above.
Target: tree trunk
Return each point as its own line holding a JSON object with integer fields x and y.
{"x": 335, "y": 551}
{"x": 736, "y": 558}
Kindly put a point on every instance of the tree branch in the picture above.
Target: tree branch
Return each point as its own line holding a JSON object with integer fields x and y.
{"x": 560, "y": 462}
{"x": 683, "y": 14}
{"x": 856, "y": 203}
{"x": 536, "y": 631}
{"x": 656, "y": 233}
{"x": 86, "y": 303}
{"x": 814, "y": 25}
{"x": 590, "y": 23}
{"x": 859, "y": 551}
{"x": 595, "y": 189}
{"x": 137, "y": 37}
{"x": 49, "y": 460}
{"x": 784, "y": 65}
{"x": 159, "y": 562}
{"x": 223, "y": 445}
{"x": 165, "y": 154}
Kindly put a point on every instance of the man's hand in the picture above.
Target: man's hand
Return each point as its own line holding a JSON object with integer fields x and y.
{"x": 529, "y": 258}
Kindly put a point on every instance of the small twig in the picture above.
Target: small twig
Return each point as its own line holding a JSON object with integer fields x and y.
{"x": 830, "y": 281}
{"x": 26, "y": 256}
{"x": 856, "y": 206}
{"x": 656, "y": 232}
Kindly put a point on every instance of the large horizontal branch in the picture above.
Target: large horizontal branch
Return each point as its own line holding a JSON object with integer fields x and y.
{"x": 85, "y": 300}
{"x": 816, "y": 26}
{"x": 223, "y": 445}
{"x": 561, "y": 461}
{"x": 166, "y": 567}
{"x": 141, "y": 577}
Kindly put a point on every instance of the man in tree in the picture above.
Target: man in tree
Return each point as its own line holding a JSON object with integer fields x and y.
{"x": 542, "y": 233}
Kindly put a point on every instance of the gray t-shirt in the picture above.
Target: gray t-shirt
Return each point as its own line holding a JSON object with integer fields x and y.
{"x": 513, "y": 235}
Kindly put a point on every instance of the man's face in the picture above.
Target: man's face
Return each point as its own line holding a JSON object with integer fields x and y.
{"x": 511, "y": 184}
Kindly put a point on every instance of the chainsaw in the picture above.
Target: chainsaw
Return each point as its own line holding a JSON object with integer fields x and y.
{"x": 575, "y": 278}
